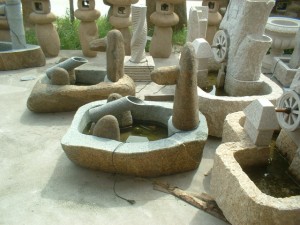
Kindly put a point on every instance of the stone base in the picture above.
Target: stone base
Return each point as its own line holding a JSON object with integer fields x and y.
{"x": 239, "y": 198}
{"x": 31, "y": 56}
{"x": 180, "y": 152}
{"x": 288, "y": 142}
{"x": 46, "y": 97}
{"x": 216, "y": 108}
{"x": 282, "y": 72}
{"x": 139, "y": 71}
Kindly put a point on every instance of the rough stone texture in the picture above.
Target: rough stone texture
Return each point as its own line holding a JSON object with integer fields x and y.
{"x": 178, "y": 153}
{"x": 46, "y": 33}
{"x": 216, "y": 108}
{"x": 32, "y": 56}
{"x": 107, "y": 127}
{"x": 295, "y": 86}
{"x": 233, "y": 129}
{"x": 238, "y": 197}
{"x": 125, "y": 118}
{"x": 60, "y": 77}
{"x": 281, "y": 70}
{"x": 88, "y": 29}
{"x": 295, "y": 165}
{"x": 244, "y": 22}
{"x": 53, "y": 98}
{"x": 197, "y": 24}
{"x": 295, "y": 58}
{"x": 185, "y": 111}
{"x": 115, "y": 54}
{"x": 287, "y": 143}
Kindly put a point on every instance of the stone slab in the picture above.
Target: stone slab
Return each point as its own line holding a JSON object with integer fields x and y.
{"x": 139, "y": 71}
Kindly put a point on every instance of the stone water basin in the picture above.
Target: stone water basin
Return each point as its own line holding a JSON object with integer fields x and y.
{"x": 90, "y": 86}
{"x": 180, "y": 152}
{"x": 15, "y": 59}
{"x": 241, "y": 201}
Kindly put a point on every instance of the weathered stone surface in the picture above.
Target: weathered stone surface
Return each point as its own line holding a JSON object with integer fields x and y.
{"x": 107, "y": 127}
{"x": 60, "y": 77}
{"x": 215, "y": 108}
{"x": 32, "y": 56}
{"x": 295, "y": 165}
{"x": 287, "y": 143}
{"x": 179, "y": 153}
{"x": 115, "y": 54}
{"x": 239, "y": 198}
{"x": 46, "y": 97}
{"x": 295, "y": 58}
{"x": 295, "y": 86}
{"x": 197, "y": 24}
{"x": 161, "y": 43}
{"x": 125, "y": 118}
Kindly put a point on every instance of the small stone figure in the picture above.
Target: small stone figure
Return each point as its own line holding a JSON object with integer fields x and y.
{"x": 88, "y": 30}
{"x": 107, "y": 127}
{"x": 46, "y": 33}
{"x": 163, "y": 19}
{"x": 185, "y": 110}
{"x": 124, "y": 118}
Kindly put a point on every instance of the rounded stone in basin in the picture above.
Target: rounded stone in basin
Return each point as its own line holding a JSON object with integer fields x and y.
{"x": 15, "y": 59}
{"x": 178, "y": 153}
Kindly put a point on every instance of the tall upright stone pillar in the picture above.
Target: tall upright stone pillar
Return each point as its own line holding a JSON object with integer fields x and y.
{"x": 88, "y": 30}
{"x": 163, "y": 18}
{"x": 121, "y": 19}
{"x": 46, "y": 33}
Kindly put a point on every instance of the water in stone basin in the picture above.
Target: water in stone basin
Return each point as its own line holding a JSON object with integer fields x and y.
{"x": 147, "y": 129}
{"x": 211, "y": 88}
{"x": 273, "y": 179}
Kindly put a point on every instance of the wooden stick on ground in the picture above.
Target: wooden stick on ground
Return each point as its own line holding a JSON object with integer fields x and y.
{"x": 203, "y": 201}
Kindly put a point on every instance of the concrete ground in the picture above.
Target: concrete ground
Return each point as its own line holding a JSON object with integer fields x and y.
{"x": 40, "y": 185}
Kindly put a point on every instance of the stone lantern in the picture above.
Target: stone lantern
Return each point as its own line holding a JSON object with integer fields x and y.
{"x": 163, "y": 19}
{"x": 46, "y": 33}
{"x": 214, "y": 18}
{"x": 121, "y": 19}
{"x": 88, "y": 30}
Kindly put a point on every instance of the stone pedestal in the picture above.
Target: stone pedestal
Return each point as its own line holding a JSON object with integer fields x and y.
{"x": 139, "y": 71}
{"x": 163, "y": 19}
{"x": 46, "y": 33}
{"x": 88, "y": 30}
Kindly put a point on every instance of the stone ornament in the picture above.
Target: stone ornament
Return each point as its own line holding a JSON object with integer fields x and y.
{"x": 4, "y": 27}
{"x": 88, "y": 30}
{"x": 46, "y": 33}
{"x": 214, "y": 18}
{"x": 107, "y": 127}
{"x": 244, "y": 23}
{"x": 163, "y": 19}
{"x": 197, "y": 25}
{"x": 185, "y": 109}
{"x": 121, "y": 19}
{"x": 139, "y": 34}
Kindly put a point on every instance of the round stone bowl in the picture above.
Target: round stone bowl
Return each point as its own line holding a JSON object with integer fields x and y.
{"x": 283, "y": 31}
{"x": 216, "y": 108}
{"x": 180, "y": 152}
{"x": 15, "y": 59}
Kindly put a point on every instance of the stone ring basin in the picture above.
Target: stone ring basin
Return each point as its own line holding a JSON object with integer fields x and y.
{"x": 15, "y": 59}
{"x": 179, "y": 152}
{"x": 283, "y": 31}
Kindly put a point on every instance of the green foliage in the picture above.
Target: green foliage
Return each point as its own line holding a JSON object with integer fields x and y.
{"x": 31, "y": 37}
{"x": 103, "y": 26}
{"x": 179, "y": 36}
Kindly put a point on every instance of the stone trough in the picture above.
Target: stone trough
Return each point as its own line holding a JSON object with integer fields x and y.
{"x": 15, "y": 59}
{"x": 216, "y": 108}
{"x": 241, "y": 201}
{"x": 46, "y": 97}
{"x": 179, "y": 152}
